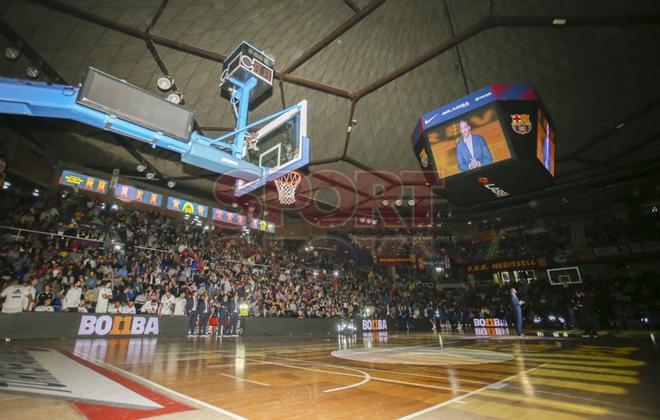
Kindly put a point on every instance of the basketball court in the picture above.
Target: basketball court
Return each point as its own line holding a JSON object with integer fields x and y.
{"x": 418, "y": 375}
{"x": 305, "y": 167}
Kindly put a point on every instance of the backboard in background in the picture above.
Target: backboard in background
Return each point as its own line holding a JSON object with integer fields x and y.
{"x": 564, "y": 276}
{"x": 278, "y": 144}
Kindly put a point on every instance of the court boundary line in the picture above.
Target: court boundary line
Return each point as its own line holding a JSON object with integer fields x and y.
{"x": 162, "y": 387}
{"x": 469, "y": 394}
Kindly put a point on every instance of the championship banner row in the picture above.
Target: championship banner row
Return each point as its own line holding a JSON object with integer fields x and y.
{"x": 129, "y": 193}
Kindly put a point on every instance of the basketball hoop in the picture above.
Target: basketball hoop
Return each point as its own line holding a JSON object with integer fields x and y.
{"x": 286, "y": 187}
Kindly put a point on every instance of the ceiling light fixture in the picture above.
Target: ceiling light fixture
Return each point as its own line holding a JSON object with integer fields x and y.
{"x": 12, "y": 53}
{"x": 165, "y": 83}
{"x": 32, "y": 72}
{"x": 175, "y": 97}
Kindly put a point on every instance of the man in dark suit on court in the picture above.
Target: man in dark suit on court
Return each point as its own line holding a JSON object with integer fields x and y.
{"x": 517, "y": 310}
{"x": 471, "y": 151}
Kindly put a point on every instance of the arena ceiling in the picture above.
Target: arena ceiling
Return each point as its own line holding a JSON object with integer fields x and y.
{"x": 374, "y": 66}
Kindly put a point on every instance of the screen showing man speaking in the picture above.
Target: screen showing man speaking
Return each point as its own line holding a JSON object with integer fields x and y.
{"x": 473, "y": 141}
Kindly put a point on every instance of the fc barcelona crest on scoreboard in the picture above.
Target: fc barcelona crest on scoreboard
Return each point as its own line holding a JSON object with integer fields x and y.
{"x": 521, "y": 124}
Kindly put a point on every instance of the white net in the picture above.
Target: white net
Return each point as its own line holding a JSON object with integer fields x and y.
{"x": 286, "y": 187}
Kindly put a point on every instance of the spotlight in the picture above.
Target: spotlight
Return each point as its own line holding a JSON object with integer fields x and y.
{"x": 559, "y": 22}
{"x": 151, "y": 175}
{"x": 12, "y": 53}
{"x": 361, "y": 219}
{"x": 165, "y": 83}
{"x": 368, "y": 221}
{"x": 374, "y": 222}
{"x": 6, "y": 185}
{"x": 114, "y": 207}
{"x": 398, "y": 202}
{"x": 36, "y": 192}
{"x": 32, "y": 72}
{"x": 411, "y": 203}
{"x": 469, "y": 222}
{"x": 141, "y": 168}
{"x": 175, "y": 97}
{"x": 386, "y": 202}
{"x": 336, "y": 273}
{"x": 171, "y": 184}
{"x": 234, "y": 205}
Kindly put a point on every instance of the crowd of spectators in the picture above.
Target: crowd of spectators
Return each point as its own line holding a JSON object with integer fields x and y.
{"x": 107, "y": 258}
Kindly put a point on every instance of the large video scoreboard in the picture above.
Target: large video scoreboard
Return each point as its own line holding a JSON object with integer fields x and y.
{"x": 492, "y": 144}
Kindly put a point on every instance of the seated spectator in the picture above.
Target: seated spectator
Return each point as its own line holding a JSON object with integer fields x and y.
{"x": 45, "y": 306}
{"x": 129, "y": 308}
{"x": 115, "y": 308}
{"x": 151, "y": 307}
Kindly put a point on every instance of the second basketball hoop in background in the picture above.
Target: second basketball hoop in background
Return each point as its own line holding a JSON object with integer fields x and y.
{"x": 286, "y": 187}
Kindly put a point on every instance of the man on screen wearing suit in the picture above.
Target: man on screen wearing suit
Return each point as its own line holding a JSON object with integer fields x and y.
{"x": 471, "y": 151}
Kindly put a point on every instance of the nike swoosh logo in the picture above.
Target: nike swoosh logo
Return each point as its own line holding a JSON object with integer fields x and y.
{"x": 430, "y": 119}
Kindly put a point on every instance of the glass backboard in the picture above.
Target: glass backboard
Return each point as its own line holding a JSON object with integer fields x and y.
{"x": 278, "y": 144}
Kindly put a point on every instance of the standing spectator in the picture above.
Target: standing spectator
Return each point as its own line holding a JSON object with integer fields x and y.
{"x": 72, "y": 297}
{"x": 192, "y": 309}
{"x": 180, "y": 304}
{"x": 233, "y": 311}
{"x": 167, "y": 304}
{"x": 214, "y": 321}
{"x": 15, "y": 296}
{"x": 31, "y": 294}
{"x": 204, "y": 312}
{"x": 105, "y": 294}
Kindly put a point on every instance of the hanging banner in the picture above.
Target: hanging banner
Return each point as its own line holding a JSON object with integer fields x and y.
{"x": 129, "y": 193}
{"x": 224, "y": 216}
{"x": 262, "y": 225}
{"x": 188, "y": 207}
{"x": 82, "y": 181}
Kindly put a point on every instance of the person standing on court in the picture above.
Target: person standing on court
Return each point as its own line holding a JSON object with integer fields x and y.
{"x": 517, "y": 310}
{"x": 192, "y": 311}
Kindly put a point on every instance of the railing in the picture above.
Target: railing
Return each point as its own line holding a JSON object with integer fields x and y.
{"x": 80, "y": 238}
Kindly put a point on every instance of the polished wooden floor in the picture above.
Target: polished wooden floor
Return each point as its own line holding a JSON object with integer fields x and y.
{"x": 420, "y": 375}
